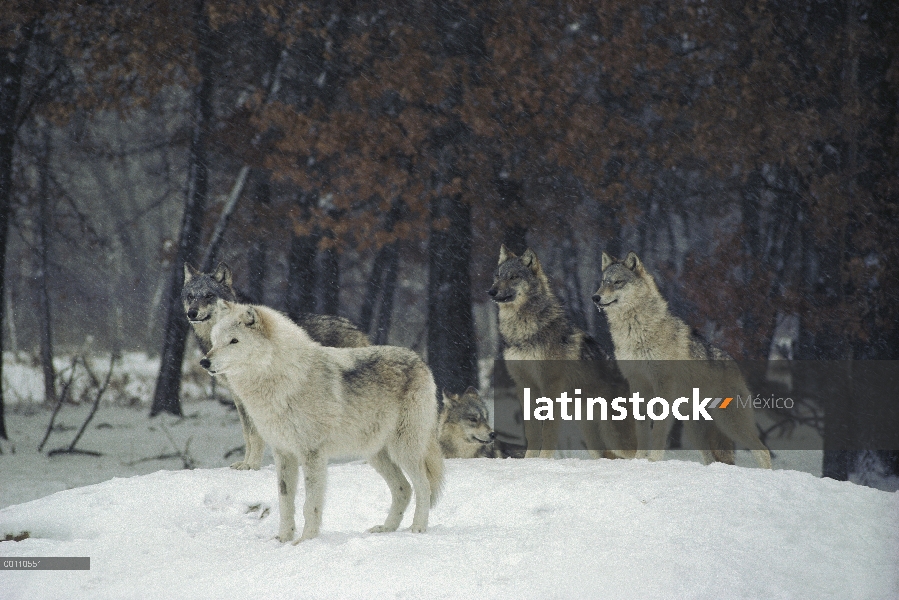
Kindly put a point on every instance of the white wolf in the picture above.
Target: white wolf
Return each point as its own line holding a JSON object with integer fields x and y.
{"x": 311, "y": 402}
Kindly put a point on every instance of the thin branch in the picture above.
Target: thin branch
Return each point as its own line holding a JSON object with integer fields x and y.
{"x": 101, "y": 389}
{"x": 240, "y": 181}
{"x": 42, "y": 92}
{"x": 60, "y": 401}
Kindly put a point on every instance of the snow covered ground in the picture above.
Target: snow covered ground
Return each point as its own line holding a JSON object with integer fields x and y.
{"x": 504, "y": 528}
{"x": 514, "y": 528}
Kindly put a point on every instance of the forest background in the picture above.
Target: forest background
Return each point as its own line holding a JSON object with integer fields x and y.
{"x": 367, "y": 159}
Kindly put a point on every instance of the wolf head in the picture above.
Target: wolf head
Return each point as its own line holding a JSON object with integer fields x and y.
{"x": 201, "y": 291}
{"x": 464, "y": 429}
{"x": 624, "y": 283}
{"x": 516, "y": 278}
{"x": 239, "y": 336}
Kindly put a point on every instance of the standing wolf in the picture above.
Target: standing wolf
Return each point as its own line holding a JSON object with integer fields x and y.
{"x": 311, "y": 402}
{"x": 647, "y": 336}
{"x": 199, "y": 295}
{"x": 535, "y": 332}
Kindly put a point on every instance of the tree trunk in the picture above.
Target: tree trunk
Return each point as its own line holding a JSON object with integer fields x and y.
{"x": 256, "y": 258}
{"x": 12, "y": 66}
{"x": 41, "y": 288}
{"x": 301, "y": 271}
{"x": 514, "y": 232}
{"x": 382, "y": 281}
{"x": 168, "y": 385}
{"x": 218, "y": 234}
{"x": 452, "y": 347}
{"x": 329, "y": 282}
{"x": 373, "y": 289}
{"x": 388, "y": 291}
{"x": 574, "y": 303}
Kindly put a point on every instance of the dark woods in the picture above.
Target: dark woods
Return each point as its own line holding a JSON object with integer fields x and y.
{"x": 379, "y": 153}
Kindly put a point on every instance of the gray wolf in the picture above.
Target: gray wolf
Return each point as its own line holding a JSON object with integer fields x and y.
{"x": 465, "y": 432}
{"x": 534, "y": 329}
{"x": 464, "y": 428}
{"x": 646, "y": 336}
{"x": 311, "y": 402}
{"x": 199, "y": 296}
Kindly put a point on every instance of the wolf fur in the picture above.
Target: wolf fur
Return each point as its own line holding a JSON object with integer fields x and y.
{"x": 199, "y": 296}
{"x": 533, "y": 327}
{"x": 464, "y": 428}
{"x": 646, "y": 335}
{"x": 311, "y": 402}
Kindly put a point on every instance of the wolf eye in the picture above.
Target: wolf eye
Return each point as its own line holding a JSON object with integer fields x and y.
{"x": 618, "y": 283}
{"x": 514, "y": 277}
{"x": 233, "y": 340}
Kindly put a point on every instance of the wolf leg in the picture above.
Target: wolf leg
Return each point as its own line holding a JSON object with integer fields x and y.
{"x": 315, "y": 473}
{"x": 739, "y": 426}
{"x": 287, "y": 468}
{"x": 533, "y": 433}
{"x": 399, "y": 490}
{"x": 593, "y": 439}
{"x": 659, "y": 438}
{"x": 253, "y": 444}
{"x": 550, "y": 439}
{"x": 414, "y": 466}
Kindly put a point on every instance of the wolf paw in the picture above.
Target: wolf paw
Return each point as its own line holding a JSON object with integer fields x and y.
{"x": 381, "y": 529}
{"x": 243, "y": 465}
{"x": 285, "y": 537}
{"x": 418, "y": 528}
{"x": 656, "y": 455}
{"x": 306, "y": 536}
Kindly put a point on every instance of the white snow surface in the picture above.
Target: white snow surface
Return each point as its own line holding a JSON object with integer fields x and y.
{"x": 531, "y": 528}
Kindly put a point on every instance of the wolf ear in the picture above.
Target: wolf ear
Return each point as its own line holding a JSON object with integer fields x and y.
{"x": 251, "y": 318}
{"x": 530, "y": 260}
{"x": 606, "y": 261}
{"x": 449, "y": 397}
{"x": 505, "y": 254}
{"x": 470, "y": 391}
{"x": 189, "y": 272}
{"x": 222, "y": 274}
{"x": 633, "y": 263}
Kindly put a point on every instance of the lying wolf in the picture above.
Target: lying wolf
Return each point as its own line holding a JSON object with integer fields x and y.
{"x": 311, "y": 402}
{"x": 660, "y": 356}
{"x": 465, "y": 430}
{"x": 199, "y": 295}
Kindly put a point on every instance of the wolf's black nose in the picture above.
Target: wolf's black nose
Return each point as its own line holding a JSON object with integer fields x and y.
{"x": 204, "y": 362}
{"x": 492, "y": 292}
{"x": 192, "y": 314}
{"x": 596, "y": 298}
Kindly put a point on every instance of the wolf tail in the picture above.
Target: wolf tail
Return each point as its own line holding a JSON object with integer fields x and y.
{"x": 434, "y": 468}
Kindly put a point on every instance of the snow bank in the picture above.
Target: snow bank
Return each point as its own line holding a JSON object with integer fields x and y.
{"x": 504, "y": 528}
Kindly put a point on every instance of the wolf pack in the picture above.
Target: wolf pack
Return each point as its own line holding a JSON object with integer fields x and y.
{"x": 315, "y": 388}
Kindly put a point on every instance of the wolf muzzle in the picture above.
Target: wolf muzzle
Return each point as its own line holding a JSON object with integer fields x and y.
{"x": 597, "y": 300}
{"x": 204, "y": 362}
{"x": 192, "y": 316}
{"x": 492, "y": 292}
